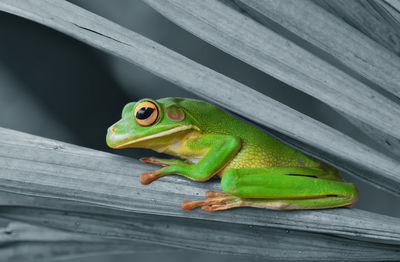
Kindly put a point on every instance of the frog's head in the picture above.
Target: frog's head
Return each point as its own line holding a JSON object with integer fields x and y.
{"x": 148, "y": 120}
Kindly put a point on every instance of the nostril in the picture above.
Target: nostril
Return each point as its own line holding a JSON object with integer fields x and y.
{"x": 114, "y": 129}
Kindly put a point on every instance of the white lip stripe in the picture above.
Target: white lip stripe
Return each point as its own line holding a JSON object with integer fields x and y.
{"x": 160, "y": 134}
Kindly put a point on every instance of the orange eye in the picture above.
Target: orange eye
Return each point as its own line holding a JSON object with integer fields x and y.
{"x": 146, "y": 113}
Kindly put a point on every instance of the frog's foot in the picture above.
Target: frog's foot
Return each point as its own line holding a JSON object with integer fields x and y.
{"x": 221, "y": 201}
{"x": 214, "y": 201}
{"x": 160, "y": 161}
{"x": 148, "y": 177}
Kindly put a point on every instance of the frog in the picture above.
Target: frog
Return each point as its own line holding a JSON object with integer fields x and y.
{"x": 255, "y": 168}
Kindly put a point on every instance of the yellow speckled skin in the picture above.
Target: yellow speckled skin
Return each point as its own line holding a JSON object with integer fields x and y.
{"x": 273, "y": 153}
{"x": 253, "y": 156}
{"x": 256, "y": 169}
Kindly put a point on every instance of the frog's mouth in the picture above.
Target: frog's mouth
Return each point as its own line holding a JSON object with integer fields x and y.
{"x": 118, "y": 141}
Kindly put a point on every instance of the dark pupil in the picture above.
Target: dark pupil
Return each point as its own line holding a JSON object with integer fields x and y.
{"x": 144, "y": 112}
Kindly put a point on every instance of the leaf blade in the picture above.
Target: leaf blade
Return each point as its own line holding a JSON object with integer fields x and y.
{"x": 39, "y": 167}
{"x": 353, "y": 156}
{"x": 244, "y": 38}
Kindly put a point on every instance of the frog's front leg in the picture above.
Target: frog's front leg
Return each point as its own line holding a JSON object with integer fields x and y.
{"x": 277, "y": 188}
{"x": 220, "y": 150}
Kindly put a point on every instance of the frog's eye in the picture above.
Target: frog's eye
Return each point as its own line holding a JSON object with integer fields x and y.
{"x": 146, "y": 113}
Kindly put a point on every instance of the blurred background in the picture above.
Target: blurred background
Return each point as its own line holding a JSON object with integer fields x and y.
{"x": 57, "y": 87}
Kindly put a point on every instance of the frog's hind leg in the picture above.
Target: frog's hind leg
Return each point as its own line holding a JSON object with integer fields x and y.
{"x": 287, "y": 188}
{"x": 282, "y": 188}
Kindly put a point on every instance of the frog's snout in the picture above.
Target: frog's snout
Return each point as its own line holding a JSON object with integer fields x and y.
{"x": 116, "y": 138}
{"x": 111, "y": 136}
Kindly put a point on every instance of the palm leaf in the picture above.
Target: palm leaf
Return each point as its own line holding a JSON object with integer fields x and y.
{"x": 26, "y": 242}
{"x": 142, "y": 231}
{"x": 97, "y": 185}
{"x": 359, "y": 159}
{"x": 107, "y": 186}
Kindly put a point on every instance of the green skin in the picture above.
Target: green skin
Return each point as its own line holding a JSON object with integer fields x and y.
{"x": 255, "y": 168}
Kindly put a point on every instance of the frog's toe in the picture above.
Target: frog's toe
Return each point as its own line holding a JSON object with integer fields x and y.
{"x": 223, "y": 206}
{"x": 153, "y": 160}
{"x": 190, "y": 204}
{"x": 160, "y": 161}
{"x": 215, "y": 201}
{"x": 213, "y": 194}
{"x": 148, "y": 177}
